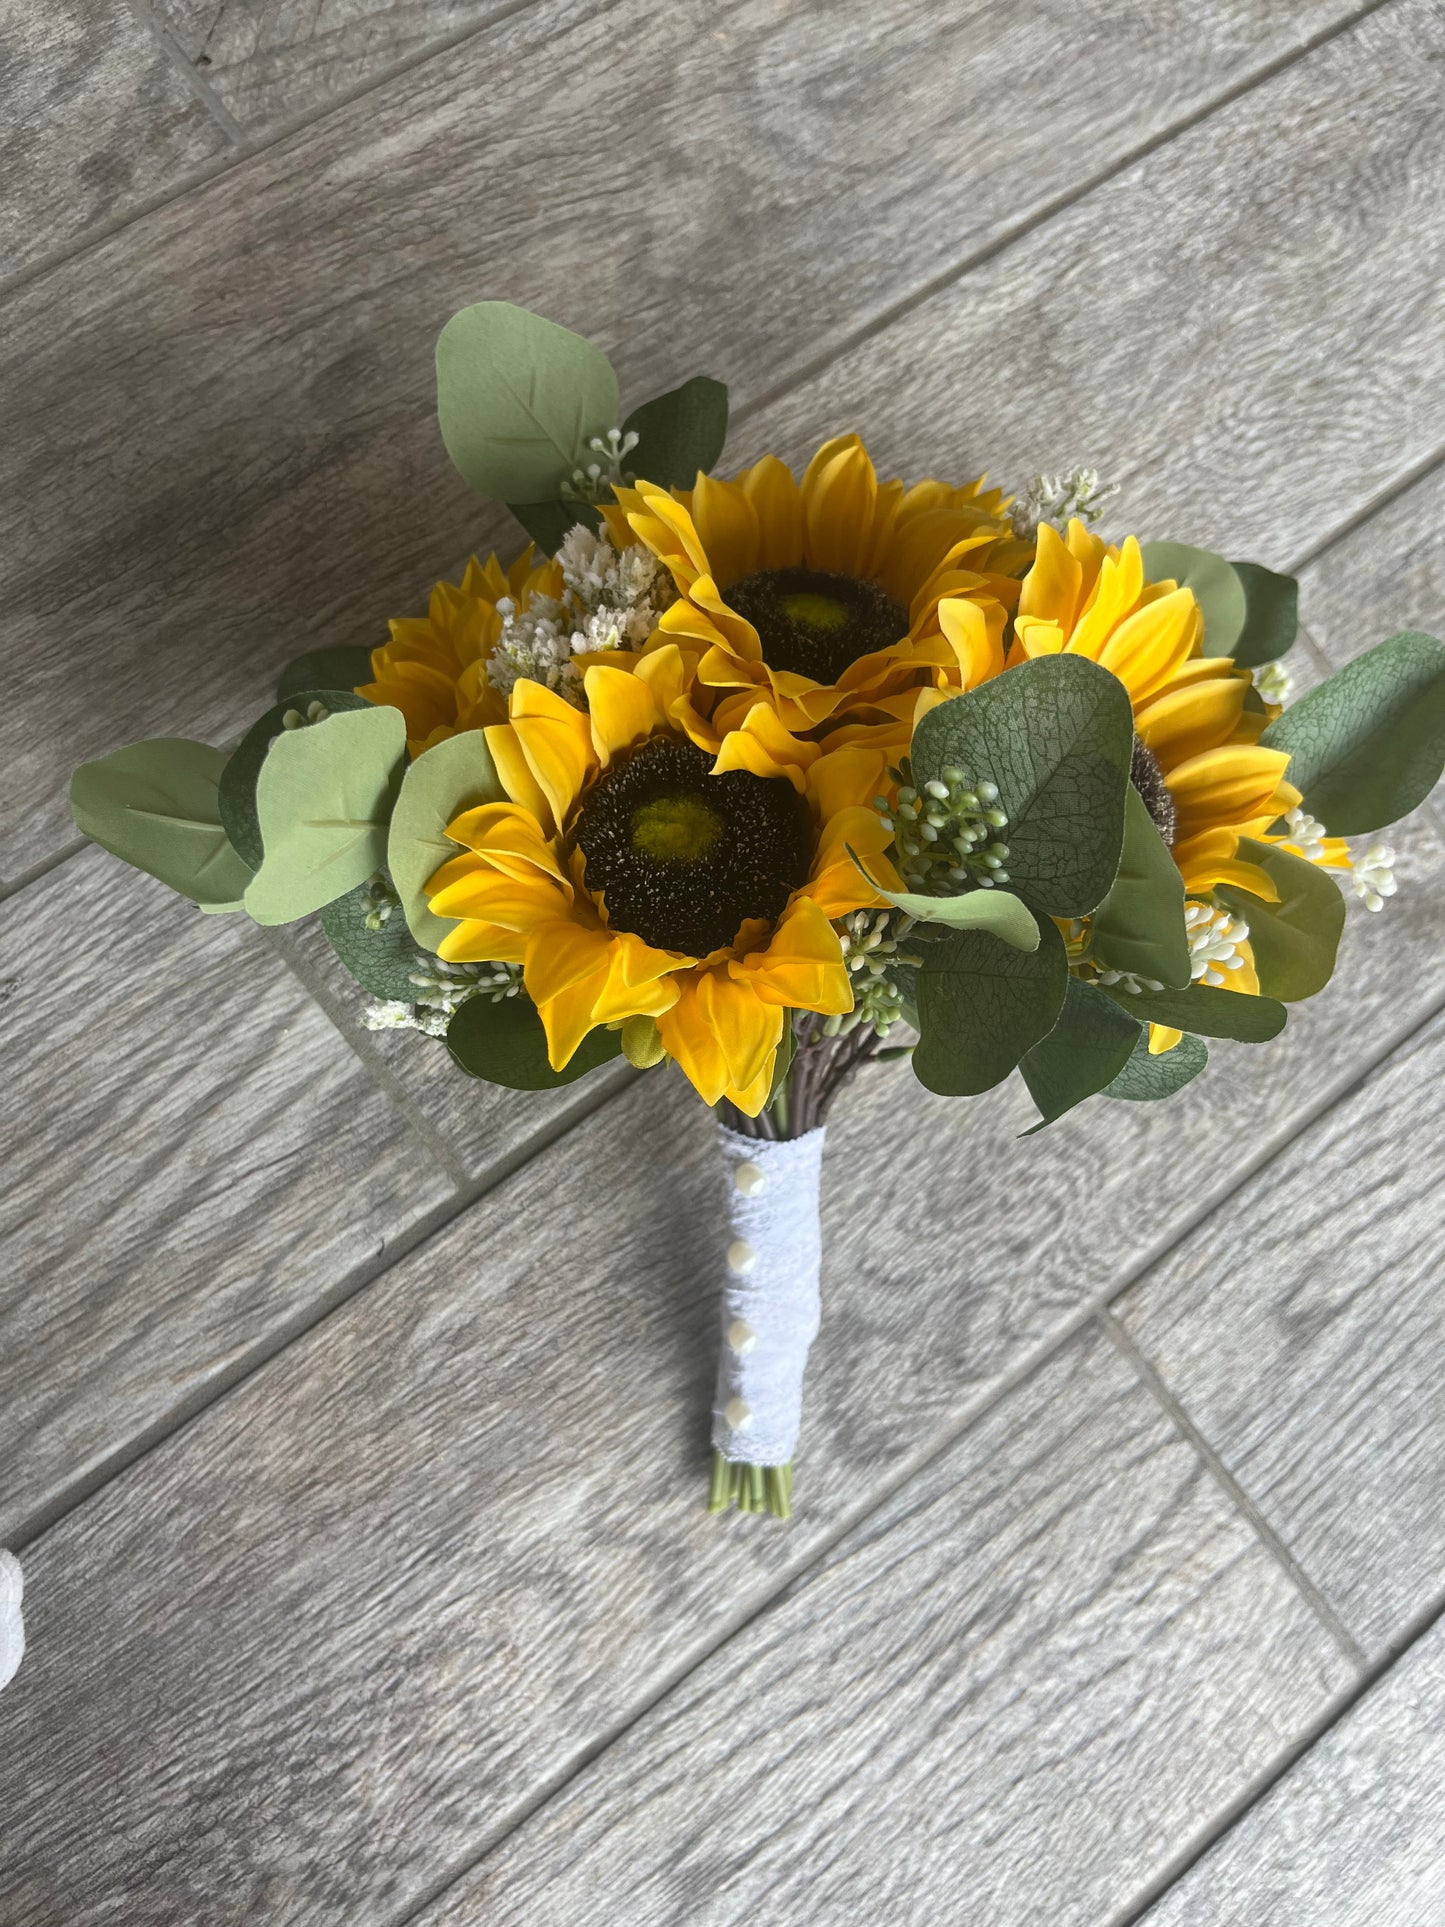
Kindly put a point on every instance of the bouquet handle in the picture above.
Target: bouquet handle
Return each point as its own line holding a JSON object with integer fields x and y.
{"x": 770, "y": 1312}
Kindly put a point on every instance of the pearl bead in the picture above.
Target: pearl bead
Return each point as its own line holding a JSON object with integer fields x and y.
{"x": 749, "y": 1179}
{"x": 741, "y": 1257}
{"x": 741, "y": 1337}
{"x": 738, "y": 1414}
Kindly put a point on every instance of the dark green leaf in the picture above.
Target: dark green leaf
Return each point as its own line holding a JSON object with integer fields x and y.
{"x": 324, "y": 800}
{"x": 1145, "y": 1078}
{"x": 982, "y": 1005}
{"x": 1271, "y": 605}
{"x": 519, "y": 400}
{"x": 381, "y": 960}
{"x": 156, "y": 805}
{"x": 1217, "y": 589}
{"x": 1057, "y": 737}
{"x": 679, "y": 434}
{"x": 1085, "y": 1050}
{"x": 1207, "y": 1011}
{"x": 548, "y": 522}
{"x": 1368, "y": 745}
{"x": 346, "y": 667}
{"x": 238, "y": 779}
{"x": 1139, "y": 927}
{"x": 1294, "y": 941}
{"x": 505, "y": 1044}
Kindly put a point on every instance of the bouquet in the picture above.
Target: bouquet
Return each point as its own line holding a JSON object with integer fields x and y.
{"x": 774, "y": 777}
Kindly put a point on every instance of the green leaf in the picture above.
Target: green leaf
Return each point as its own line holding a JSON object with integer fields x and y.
{"x": 679, "y": 434}
{"x": 519, "y": 399}
{"x": 346, "y": 667}
{"x": 1206, "y": 1010}
{"x": 381, "y": 960}
{"x": 505, "y": 1044}
{"x": 1057, "y": 737}
{"x": 996, "y": 910}
{"x": 324, "y": 798}
{"x": 238, "y": 779}
{"x": 1271, "y": 615}
{"x": 1217, "y": 589}
{"x": 1086, "y": 1049}
{"x": 783, "y": 1061}
{"x": 1368, "y": 745}
{"x": 548, "y": 523}
{"x": 1145, "y": 1079}
{"x": 1295, "y": 940}
{"x": 155, "y": 805}
{"x": 982, "y": 1005}
{"x": 1139, "y": 927}
{"x": 454, "y": 775}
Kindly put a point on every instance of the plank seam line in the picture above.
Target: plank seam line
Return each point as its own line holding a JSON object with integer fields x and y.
{"x": 222, "y": 1384}
{"x": 1174, "y": 1408}
{"x": 1334, "y": 1712}
{"x": 249, "y": 146}
{"x": 16, "y": 884}
{"x": 905, "y": 1473}
{"x": 1050, "y": 209}
{"x": 162, "y": 31}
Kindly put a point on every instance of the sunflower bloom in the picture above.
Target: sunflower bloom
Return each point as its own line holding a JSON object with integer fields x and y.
{"x": 837, "y": 596}
{"x": 1198, "y": 763}
{"x": 434, "y": 667}
{"x": 632, "y": 874}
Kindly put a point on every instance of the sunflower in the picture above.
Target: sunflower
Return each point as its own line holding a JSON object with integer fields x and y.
{"x": 1198, "y": 763}
{"x": 834, "y": 598}
{"x": 434, "y": 667}
{"x": 633, "y": 874}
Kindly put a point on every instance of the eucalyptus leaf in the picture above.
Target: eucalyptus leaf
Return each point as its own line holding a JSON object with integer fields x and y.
{"x": 238, "y": 779}
{"x": 1145, "y": 1079}
{"x": 1207, "y": 1010}
{"x": 982, "y": 1005}
{"x": 1271, "y": 618}
{"x": 324, "y": 799}
{"x": 381, "y": 960}
{"x": 996, "y": 910}
{"x": 1139, "y": 927}
{"x": 345, "y": 667}
{"x": 679, "y": 434}
{"x": 504, "y": 1043}
{"x": 156, "y": 805}
{"x": 1056, "y": 735}
{"x": 548, "y": 523}
{"x": 1368, "y": 745}
{"x": 519, "y": 399}
{"x": 1295, "y": 940}
{"x": 1086, "y": 1049}
{"x": 456, "y": 774}
{"x": 783, "y": 1060}
{"x": 1217, "y": 589}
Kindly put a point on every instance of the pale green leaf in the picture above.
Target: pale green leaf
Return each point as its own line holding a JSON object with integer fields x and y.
{"x": 155, "y": 805}
{"x": 996, "y": 910}
{"x": 454, "y": 775}
{"x": 324, "y": 799}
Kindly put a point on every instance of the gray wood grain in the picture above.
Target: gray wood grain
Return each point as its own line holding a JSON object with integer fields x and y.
{"x": 1183, "y": 326}
{"x": 193, "y": 1162}
{"x": 1354, "y": 1836}
{"x": 95, "y": 119}
{"x": 273, "y": 61}
{"x": 471, "y": 1495}
{"x": 1386, "y": 575}
{"x": 222, "y": 449}
{"x": 1301, "y": 1330}
{"x": 1005, "y": 1698}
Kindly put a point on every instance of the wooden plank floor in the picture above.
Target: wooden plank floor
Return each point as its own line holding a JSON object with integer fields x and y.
{"x": 1119, "y": 1537}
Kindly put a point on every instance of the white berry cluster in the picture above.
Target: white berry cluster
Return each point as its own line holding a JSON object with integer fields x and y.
{"x": 441, "y": 989}
{"x": 608, "y": 601}
{"x": 1059, "y": 499}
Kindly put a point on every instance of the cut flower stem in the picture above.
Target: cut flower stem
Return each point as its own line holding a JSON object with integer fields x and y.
{"x": 751, "y": 1488}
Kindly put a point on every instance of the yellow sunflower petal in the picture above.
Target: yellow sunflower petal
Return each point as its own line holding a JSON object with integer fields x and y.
{"x": 1148, "y": 646}
{"x": 1162, "y": 1038}
{"x": 727, "y": 526}
{"x": 556, "y": 740}
{"x": 765, "y": 747}
{"x": 1224, "y": 786}
{"x": 515, "y": 773}
{"x": 1051, "y": 589}
{"x": 846, "y": 778}
{"x": 1189, "y": 718}
{"x": 778, "y": 506}
{"x": 566, "y": 970}
{"x": 975, "y": 634}
{"x": 802, "y": 967}
{"x": 622, "y": 707}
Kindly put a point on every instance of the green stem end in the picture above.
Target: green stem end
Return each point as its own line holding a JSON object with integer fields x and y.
{"x": 751, "y": 1488}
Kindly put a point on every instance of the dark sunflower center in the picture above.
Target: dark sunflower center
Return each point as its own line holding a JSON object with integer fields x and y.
{"x": 682, "y": 858}
{"x": 815, "y": 624}
{"x": 1147, "y": 777}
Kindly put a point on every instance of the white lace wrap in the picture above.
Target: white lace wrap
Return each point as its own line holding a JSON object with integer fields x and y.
{"x": 770, "y": 1295}
{"x": 12, "y": 1626}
